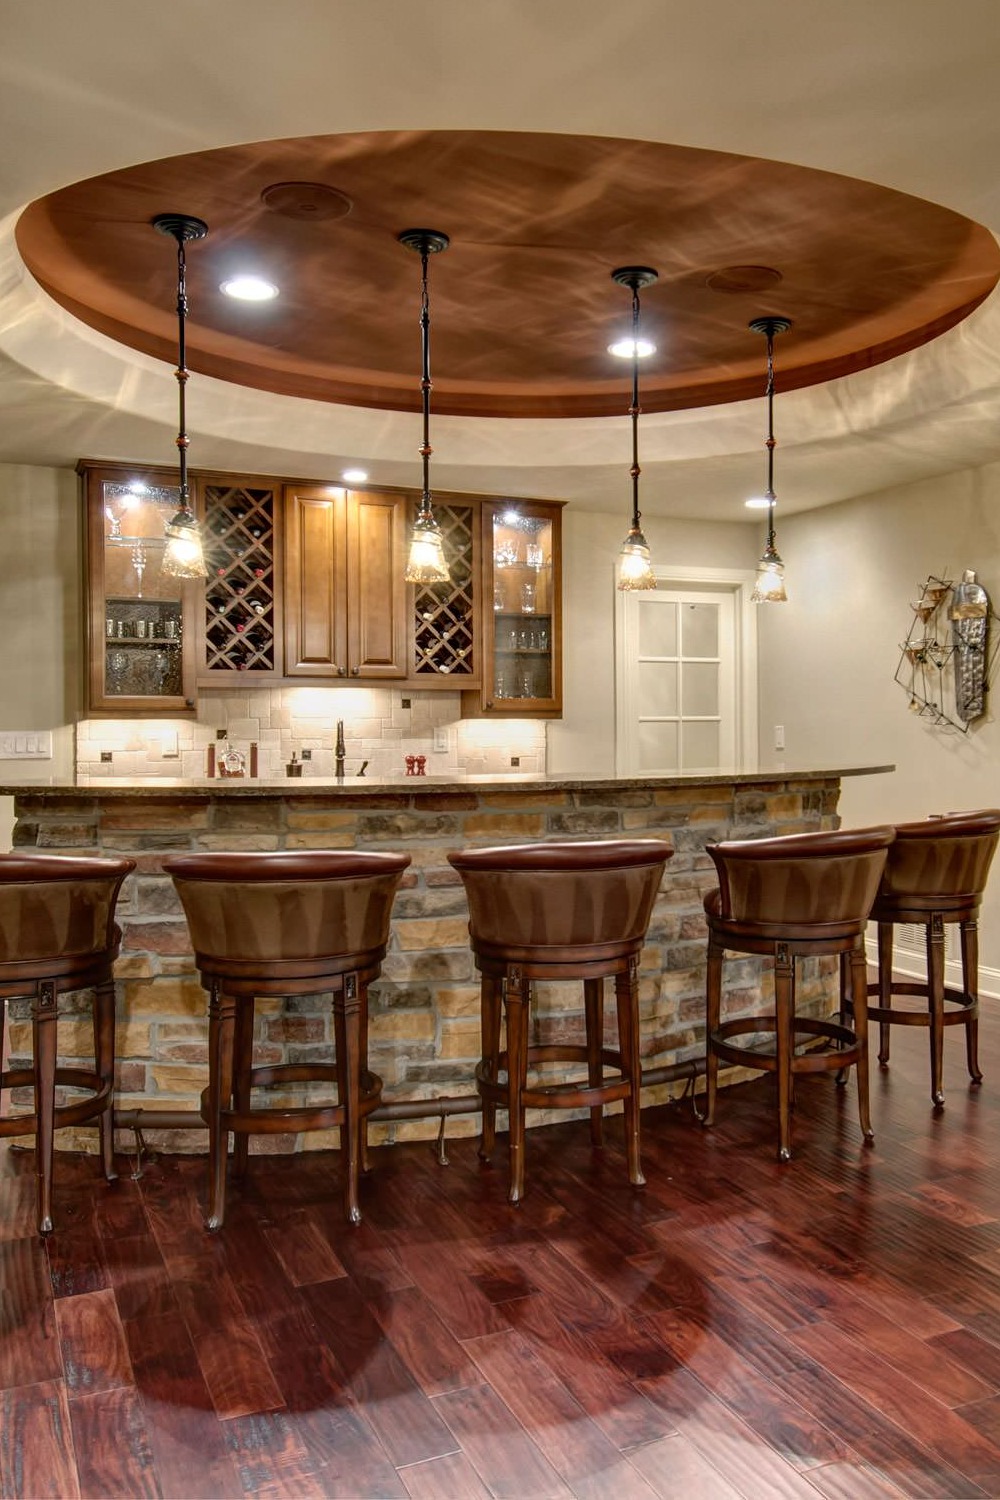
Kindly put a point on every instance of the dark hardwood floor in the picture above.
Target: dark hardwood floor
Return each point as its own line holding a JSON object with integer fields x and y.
{"x": 739, "y": 1328}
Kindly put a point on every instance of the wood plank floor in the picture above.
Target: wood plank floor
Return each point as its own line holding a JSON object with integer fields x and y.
{"x": 739, "y": 1328}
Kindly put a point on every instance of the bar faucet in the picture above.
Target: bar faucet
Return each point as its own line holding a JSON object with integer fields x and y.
{"x": 340, "y": 750}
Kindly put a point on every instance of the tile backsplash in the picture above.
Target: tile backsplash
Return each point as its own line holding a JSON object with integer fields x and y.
{"x": 381, "y": 725}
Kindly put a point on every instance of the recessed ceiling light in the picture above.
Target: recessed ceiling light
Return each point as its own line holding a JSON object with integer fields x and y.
{"x": 625, "y": 348}
{"x": 354, "y": 476}
{"x": 759, "y": 502}
{"x": 249, "y": 289}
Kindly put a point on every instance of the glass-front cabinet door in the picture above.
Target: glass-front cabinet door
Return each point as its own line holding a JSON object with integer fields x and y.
{"x": 522, "y": 614}
{"x": 141, "y": 644}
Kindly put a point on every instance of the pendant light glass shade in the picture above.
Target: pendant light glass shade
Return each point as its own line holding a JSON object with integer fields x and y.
{"x": 635, "y": 568}
{"x": 425, "y": 561}
{"x": 769, "y": 586}
{"x": 183, "y": 556}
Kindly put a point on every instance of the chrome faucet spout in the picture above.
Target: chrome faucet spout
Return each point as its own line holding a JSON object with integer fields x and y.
{"x": 340, "y": 751}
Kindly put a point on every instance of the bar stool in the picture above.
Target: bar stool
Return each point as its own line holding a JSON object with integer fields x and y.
{"x": 58, "y": 933}
{"x": 286, "y": 924}
{"x": 559, "y": 911}
{"x": 800, "y": 896}
{"x": 936, "y": 874}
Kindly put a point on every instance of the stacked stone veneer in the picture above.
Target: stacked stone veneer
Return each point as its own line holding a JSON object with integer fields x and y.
{"x": 425, "y": 1035}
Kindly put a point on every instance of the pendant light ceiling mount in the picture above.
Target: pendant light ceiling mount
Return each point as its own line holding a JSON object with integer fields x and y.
{"x": 425, "y": 563}
{"x": 635, "y": 569}
{"x": 770, "y": 584}
{"x": 183, "y": 556}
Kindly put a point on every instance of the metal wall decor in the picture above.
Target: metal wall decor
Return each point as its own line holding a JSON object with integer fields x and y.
{"x": 947, "y": 659}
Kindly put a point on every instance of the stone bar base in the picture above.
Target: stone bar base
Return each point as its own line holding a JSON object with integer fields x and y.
{"x": 425, "y": 1008}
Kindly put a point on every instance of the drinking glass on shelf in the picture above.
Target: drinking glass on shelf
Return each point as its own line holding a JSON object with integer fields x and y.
{"x": 534, "y": 556}
{"x": 527, "y": 598}
{"x": 497, "y": 596}
{"x": 525, "y": 688}
{"x": 505, "y": 555}
{"x": 543, "y": 637}
{"x": 500, "y": 684}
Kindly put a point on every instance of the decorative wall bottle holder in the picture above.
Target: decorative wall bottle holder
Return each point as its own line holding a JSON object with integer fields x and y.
{"x": 947, "y": 659}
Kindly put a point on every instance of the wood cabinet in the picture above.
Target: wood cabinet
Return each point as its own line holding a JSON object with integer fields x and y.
{"x": 140, "y": 622}
{"x": 305, "y": 582}
{"x": 345, "y": 599}
{"x": 521, "y": 625}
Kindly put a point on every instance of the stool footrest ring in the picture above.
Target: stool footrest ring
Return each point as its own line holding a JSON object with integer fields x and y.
{"x": 820, "y": 1061}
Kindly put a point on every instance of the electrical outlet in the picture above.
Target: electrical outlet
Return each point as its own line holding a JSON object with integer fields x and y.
{"x": 220, "y": 734}
{"x": 306, "y": 755}
{"x": 515, "y": 760}
{"x": 106, "y": 757}
{"x": 404, "y": 703}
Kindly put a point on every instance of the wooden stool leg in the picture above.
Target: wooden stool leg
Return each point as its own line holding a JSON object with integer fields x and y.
{"x": 859, "y": 997}
{"x": 713, "y": 1015}
{"x": 935, "y": 996}
{"x": 221, "y": 1029}
{"x": 784, "y": 1005}
{"x": 627, "y": 996}
{"x": 593, "y": 1009}
{"x": 347, "y": 1003}
{"x": 104, "y": 1064}
{"x": 363, "y": 1163}
{"x": 846, "y": 1013}
{"x": 43, "y": 1026}
{"x": 489, "y": 1007}
{"x": 969, "y": 937}
{"x": 242, "y": 1065}
{"x": 884, "y": 988}
{"x": 516, "y": 1003}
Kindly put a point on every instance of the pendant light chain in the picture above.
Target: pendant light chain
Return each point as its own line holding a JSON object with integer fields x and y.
{"x": 635, "y": 471}
{"x": 183, "y": 555}
{"x": 426, "y": 561}
{"x": 425, "y": 381}
{"x": 770, "y": 584}
{"x": 635, "y": 568}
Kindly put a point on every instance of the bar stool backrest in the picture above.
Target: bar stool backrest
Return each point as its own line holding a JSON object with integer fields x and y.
{"x": 569, "y": 896}
{"x": 807, "y": 879}
{"x": 280, "y": 906}
{"x": 946, "y": 857}
{"x": 58, "y": 908}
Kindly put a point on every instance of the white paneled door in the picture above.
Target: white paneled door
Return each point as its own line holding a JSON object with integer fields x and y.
{"x": 682, "y": 699}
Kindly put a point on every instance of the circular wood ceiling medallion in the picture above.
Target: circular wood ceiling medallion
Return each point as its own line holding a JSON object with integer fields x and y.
{"x": 523, "y": 306}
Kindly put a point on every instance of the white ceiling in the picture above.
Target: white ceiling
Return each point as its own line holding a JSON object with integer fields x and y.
{"x": 901, "y": 92}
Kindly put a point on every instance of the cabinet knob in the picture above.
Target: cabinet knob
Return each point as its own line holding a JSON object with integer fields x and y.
{"x": 341, "y": 671}
{"x": 355, "y": 671}
{"x": 488, "y": 703}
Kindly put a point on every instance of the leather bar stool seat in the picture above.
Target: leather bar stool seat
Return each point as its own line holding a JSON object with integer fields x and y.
{"x": 935, "y": 876}
{"x": 58, "y": 933}
{"x": 801, "y": 896}
{"x": 286, "y": 924}
{"x": 550, "y": 912}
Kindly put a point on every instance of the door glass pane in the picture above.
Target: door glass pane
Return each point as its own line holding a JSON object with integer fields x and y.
{"x": 657, "y": 687}
{"x": 143, "y": 604}
{"x": 657, "y": 746}
{"x": 700, "y": 625}
{"x": 701, "y": 745}
{"x": 701, "y": 688}
{"x": 657, "y": 628}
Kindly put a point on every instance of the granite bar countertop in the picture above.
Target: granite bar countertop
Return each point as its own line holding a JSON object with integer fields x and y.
{"x": 169, "y": 788}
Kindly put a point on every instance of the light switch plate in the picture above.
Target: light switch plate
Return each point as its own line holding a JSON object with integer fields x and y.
{"x": 26, "y": 744}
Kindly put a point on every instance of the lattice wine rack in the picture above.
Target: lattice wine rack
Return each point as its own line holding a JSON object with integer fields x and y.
{"x": 443, "y": 624}
{"x": 239, "y": 593}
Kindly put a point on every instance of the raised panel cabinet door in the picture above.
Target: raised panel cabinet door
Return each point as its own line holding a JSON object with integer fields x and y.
{"x": 315, "y": 582}
{"x": 376, "y": 591}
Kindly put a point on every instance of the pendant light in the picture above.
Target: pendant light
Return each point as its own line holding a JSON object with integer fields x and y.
{"x": 635, "y": 570}
{"x": 183, "y": 556}
{"x": 425, "y": 563}
{"x": 769, "y": 587}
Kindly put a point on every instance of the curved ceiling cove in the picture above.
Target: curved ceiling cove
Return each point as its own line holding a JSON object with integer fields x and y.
{"x": 523, "y": 304}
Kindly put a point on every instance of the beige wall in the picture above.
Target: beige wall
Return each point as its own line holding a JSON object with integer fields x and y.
{"x": 828, "y": 657}
{"x": 40, "y": 617}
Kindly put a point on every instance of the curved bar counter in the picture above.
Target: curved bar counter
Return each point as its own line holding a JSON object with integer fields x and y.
{"x": 425, "y": 1029}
